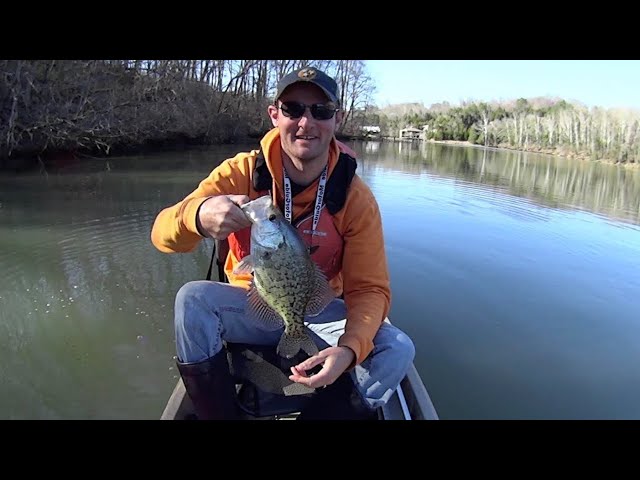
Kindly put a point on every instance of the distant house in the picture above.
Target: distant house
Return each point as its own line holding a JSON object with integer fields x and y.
{"x": 371, "y": 130}
{"x": 410, "y": 133}
{"x": 413, "y": 133}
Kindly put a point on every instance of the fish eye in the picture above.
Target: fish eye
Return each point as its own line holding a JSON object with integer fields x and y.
{"x": 272, "y": 217}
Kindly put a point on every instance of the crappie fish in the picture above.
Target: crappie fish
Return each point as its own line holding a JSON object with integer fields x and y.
{"x": 287, "y": 284}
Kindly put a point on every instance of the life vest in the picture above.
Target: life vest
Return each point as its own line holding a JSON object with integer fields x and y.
{"x": 327, "y": 238}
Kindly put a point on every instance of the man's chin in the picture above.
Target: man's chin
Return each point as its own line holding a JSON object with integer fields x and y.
{"x": 305, "y": 153}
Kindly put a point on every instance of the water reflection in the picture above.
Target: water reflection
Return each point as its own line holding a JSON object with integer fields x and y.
{"x": 544, "y": 179}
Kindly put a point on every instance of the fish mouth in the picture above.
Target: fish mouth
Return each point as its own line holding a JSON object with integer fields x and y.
{"x": 258, "y": 208}
{"x": 257, "y": 204}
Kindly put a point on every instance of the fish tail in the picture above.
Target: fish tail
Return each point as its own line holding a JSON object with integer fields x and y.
{"x": 290, "y": 344}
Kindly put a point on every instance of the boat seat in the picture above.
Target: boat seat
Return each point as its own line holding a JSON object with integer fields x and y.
{"x": 262, "y": 381}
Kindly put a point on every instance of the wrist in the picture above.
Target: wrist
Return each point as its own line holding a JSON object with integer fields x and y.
{"x": 201, "y": 230}
{"x": 350, "y": 352}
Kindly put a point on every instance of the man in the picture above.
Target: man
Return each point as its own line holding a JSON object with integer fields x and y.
{"x": 301, "y": 164}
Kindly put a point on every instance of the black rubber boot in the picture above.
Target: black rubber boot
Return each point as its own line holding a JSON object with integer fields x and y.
{"x": 210, "y": 387}
{"x": 338, "y": 401}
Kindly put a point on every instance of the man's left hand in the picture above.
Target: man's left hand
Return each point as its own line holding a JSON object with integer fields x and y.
{"x": 334, "y": 360}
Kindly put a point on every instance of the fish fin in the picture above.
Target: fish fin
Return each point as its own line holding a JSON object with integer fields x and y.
{"x": 290, "y": 345}
{"x": 244, "y": 266}
{"x": 261, "y": 311}
{"x": 322, "y": 294}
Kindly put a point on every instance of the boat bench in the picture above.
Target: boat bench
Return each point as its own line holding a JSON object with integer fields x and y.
{"x": 262, "y": 383}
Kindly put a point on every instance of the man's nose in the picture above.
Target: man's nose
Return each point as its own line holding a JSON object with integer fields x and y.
{"x": 306, "y": 116}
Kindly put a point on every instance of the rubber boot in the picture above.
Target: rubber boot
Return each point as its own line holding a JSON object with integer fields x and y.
{"x": 338, "y": 401}
{"x": 210, "y": 387}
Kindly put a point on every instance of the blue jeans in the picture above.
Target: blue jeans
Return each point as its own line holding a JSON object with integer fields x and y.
{"x": 207, "y": 312}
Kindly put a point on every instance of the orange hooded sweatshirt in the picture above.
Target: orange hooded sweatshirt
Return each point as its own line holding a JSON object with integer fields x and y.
{"x": 364, "y": 279}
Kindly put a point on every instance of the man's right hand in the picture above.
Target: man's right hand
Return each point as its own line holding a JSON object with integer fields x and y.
{"x": 221, "y": 215}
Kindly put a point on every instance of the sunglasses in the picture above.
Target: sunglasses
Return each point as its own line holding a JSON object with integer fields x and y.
{"x": 319, "y": 111}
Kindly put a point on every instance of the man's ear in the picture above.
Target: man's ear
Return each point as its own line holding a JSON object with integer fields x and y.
{"x": 273, "y": 114}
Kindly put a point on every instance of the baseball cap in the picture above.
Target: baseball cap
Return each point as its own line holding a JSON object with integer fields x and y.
{"x": 311, "y": 75}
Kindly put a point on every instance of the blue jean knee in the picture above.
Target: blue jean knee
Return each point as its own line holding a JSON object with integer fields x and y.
{"x": 208, "y": 312}
{"x": 378, "y": 376}
{"x": 197, "y": 325}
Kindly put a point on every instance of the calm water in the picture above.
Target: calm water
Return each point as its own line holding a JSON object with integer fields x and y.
{"x": 517, "y": 276}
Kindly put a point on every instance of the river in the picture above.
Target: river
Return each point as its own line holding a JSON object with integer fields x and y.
{"x": 517, "y": 275}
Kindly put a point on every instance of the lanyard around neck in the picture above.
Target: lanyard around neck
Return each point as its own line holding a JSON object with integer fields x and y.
{"x": 319, "y": 196}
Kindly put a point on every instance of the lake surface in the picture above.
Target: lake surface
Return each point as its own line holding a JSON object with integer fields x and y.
{"x": 517, "y": 275}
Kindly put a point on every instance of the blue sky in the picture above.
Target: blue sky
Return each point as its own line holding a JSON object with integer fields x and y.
{"x": 604, "y": 83}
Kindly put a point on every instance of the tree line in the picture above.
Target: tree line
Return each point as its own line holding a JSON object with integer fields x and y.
{"x": 103, "y": 107}
{"x": 107, "y": 106}
{"x": 541, "y": 124}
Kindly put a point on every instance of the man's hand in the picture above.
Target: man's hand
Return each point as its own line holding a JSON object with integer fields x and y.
{"x": 220, "y": 215}
{"x": 334, "y": 360}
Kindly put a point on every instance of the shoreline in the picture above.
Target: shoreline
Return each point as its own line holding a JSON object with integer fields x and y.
{"x": 59, "y": 158}
{"x": 543, "y": 151}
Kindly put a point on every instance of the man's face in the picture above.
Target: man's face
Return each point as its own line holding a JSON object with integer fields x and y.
{"x": 304, "y": 138}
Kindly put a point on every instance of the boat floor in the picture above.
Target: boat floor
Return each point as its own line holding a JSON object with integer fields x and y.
{"x": 180, "y": 407}
{"x": 409, "y": 402}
